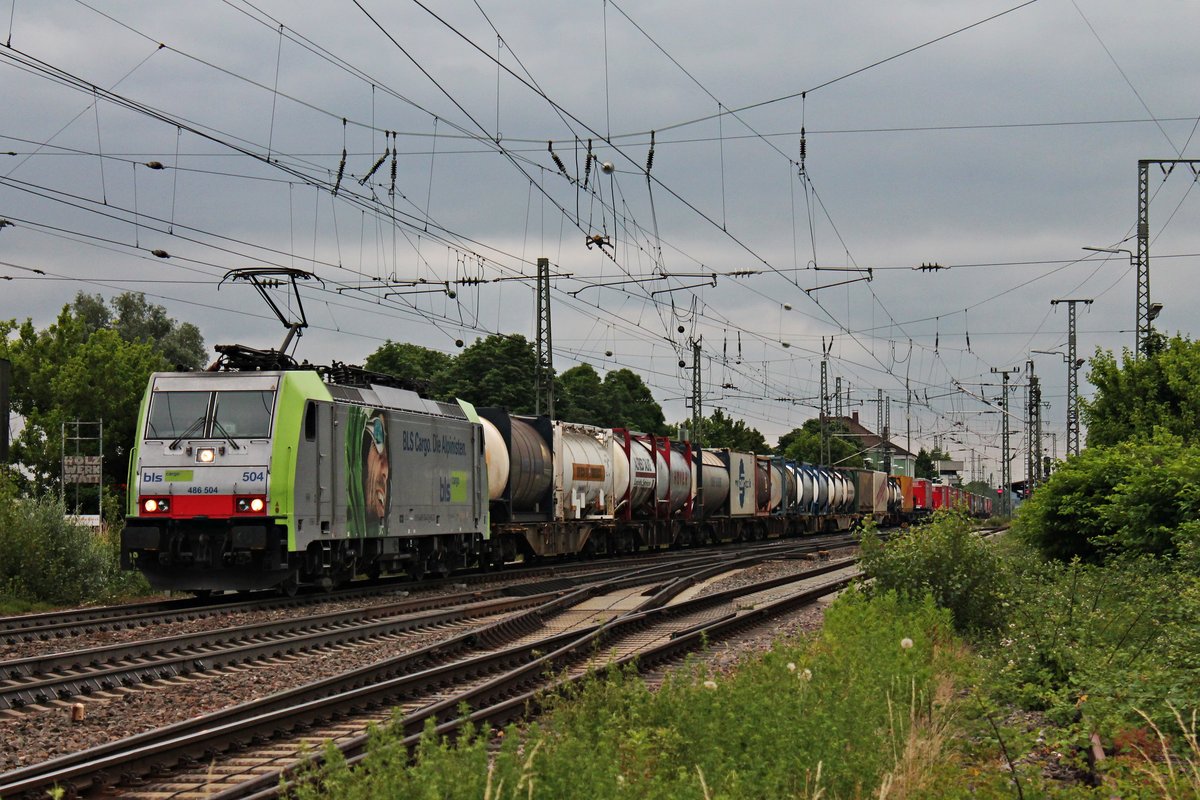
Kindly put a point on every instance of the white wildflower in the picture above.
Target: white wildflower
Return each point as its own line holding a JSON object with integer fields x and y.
{"x": 791, "y": 666}
{"x": 710, "y": 684}
{"x": 906, "y": 643}
{"x": 806, "y": 674}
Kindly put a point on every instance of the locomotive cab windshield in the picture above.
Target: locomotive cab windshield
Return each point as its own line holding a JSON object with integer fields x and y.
{"x": 229, "y": 415}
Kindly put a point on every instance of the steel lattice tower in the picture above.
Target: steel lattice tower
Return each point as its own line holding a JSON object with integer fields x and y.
{"x": 825, "y": 456}
{"x": 1073, "y": 364}
{"x": 1143, "y": 279}
{"x": 544, "y": 371}
{"x": 1005, "y": 460}
{"x": 1144, "y": 318}
{"x": 697, "y": 423}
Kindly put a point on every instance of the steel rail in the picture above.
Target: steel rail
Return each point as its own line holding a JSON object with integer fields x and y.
{"x": 204, "y": 736}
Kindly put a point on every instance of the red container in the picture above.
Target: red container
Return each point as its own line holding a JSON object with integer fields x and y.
{"x": 922, "y": 494}
{"x": 941, "y": 496}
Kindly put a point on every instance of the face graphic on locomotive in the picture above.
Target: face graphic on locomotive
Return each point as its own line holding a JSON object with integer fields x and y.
{"x": 375, "y": 468}
{"x": 368, "y": 472}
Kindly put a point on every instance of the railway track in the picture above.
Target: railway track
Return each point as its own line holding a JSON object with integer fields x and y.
{"x": 55, "y": 626}
{"x": 97, "y": 671}
{"x": 648, "y": 614}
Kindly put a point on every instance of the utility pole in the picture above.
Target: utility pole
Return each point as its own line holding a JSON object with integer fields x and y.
{"x": 1033, "y": 428}
{"x": 697, "y": 411}
{"x": 1145, "y": 313}
{"x": 1073, "y": 365}
{"x": 837, "y": 397}
{"x": 1038, "y": 474}
{"x": 697, "y": 422}
{"x": 887, "y": 437}
{"x": 544, "y": 375}
{"x": 1005, "y": 463}
{"x": 879, "y": 423}
{"x": 1143, "y": 278}
{"x": 908, "y": 422}
{"x": 825, "y": 454}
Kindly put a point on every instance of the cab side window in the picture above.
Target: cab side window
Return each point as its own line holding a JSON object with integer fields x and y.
{"x": 310, "y": 422}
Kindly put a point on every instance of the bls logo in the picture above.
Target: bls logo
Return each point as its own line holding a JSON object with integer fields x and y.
{"x": 152, "y": 477}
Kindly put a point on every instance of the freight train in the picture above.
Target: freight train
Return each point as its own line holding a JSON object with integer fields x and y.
{"x": 276, "y": 478}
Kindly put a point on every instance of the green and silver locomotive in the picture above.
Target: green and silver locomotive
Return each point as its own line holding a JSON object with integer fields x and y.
{"x": 261, "y": 479}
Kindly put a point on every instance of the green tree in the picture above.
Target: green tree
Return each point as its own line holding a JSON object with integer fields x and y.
{"x": 496, "y": 371}
{"x": 1136, "y": 497}
{"x": 66, "y": 373}
{"x": 421, "y": 366}
{"x": 579, "y": 397}
{"x": 1137, "y": 396}
{"x": 630, "y": 403}
{"x": 980, "y": 488}
{"x": 804, "y": 444}
{"x": 926, "y": 463}
{"x": 136, "y": 320}
{"x": 720, "y": 430}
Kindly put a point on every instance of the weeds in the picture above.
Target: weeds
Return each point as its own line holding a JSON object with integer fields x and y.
{"x": 945, "y": 559}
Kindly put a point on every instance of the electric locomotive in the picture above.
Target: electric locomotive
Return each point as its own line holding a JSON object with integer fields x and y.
{"x": 260, "y": 479}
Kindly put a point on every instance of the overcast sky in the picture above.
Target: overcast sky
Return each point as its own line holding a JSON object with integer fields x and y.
{"x": 996, "y": 139}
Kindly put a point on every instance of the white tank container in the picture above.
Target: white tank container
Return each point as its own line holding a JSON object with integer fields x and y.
{"x": 530, "y": 468}
{"x": 495, "y": 455}
{"x": 794, "y": 487}
{"x": 638, "y": 466}
{"x": 715, "y": 481}
{"x": 808, "y": 491}
{"x": 823, "y": 489}
{"x": 674, "y": 480}
{"x": 583, "y": 458}
{"x": 778, "y": 486}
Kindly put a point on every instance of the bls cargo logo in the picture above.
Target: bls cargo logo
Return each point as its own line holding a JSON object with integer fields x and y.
{"x": 170, "y": 476}
{"x": 743, "y": 483}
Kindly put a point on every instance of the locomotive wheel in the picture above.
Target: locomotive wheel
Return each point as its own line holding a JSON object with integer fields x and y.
{"x": 290, "y": 585}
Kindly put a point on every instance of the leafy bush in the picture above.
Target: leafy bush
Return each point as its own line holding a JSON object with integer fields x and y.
{"x": 1142, "y": 394}
{"x": 828, "y": 717}
{"x": 1094, "y": 646}
{"x": 943, "y": 558}
{"x": 1137, "y": 497}
{"x": 45, "y": 558}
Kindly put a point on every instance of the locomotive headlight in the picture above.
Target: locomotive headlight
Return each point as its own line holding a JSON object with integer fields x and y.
{"x": 151, "y": 506}
{"x": 206, "y": 455}
{"x": 245, "y": 505}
